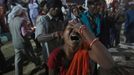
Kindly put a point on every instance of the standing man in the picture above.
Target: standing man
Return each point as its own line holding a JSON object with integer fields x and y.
{"x": 17, "y": 21}
{"x": 17, "y": 39}
{"x": 49, "y": 27}
{"x": 129, "y": 24}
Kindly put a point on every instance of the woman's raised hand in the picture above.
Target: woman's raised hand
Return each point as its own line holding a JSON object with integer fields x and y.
{"x": 75, "y": 25}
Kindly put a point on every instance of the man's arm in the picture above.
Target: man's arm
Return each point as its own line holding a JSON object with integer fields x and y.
{"x": 45, "y": 37}
{"x": 41, "y": 31}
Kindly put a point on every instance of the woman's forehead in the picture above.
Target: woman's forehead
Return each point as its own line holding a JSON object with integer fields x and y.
{"x": 72, "y": 24}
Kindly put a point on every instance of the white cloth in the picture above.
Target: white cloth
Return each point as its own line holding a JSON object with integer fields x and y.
{"x": 33, "y": 11}
{"x": 64, "y": 11}
{"x": 16, "y": 10}
{"x": 86, "y": 3}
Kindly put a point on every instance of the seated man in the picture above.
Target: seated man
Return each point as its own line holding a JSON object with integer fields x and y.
{"x": 73, "y": 58}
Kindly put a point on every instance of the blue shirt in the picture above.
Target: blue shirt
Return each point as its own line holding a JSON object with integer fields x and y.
{"x": 84, "y": 17}
{"x": 98, "y": 23}
{"x": 85, "y": 20}
{"x": 129, "y": 20}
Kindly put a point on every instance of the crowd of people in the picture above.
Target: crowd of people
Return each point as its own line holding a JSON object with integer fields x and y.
{"x": 72, "y": 37}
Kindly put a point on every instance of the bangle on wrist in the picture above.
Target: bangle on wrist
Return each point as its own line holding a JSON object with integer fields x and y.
{"x": 92, "y": 42}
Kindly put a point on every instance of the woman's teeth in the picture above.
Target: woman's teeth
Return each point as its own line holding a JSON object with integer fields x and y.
{"x": 74, "y": 37}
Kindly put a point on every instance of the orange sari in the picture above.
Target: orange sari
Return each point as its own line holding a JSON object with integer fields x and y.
{"x": 80, "y": 63}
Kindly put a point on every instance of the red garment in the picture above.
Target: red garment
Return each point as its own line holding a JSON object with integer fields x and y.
{"x": 78, "y": 66}
{"x": 56, "y": 60}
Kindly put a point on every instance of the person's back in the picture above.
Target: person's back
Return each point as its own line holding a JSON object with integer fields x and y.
{"x": 15, "y": 31}
{"x": 130, "y": 17}
{"x": 129, "y": 26}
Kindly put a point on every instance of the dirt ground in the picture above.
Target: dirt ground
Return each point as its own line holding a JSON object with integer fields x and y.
{"x": 29, "y": 67}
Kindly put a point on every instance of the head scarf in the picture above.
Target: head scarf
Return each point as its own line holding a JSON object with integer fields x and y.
{"x": 17, "y": 10}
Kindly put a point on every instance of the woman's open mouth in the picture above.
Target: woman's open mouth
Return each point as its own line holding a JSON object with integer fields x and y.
{"x": 75, "y": 37}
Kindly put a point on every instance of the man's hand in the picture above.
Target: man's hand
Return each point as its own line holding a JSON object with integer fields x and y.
{"x": 76, "y": 26}
{"x": 33, "y": 29}
{"x": 58, "y": 34}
